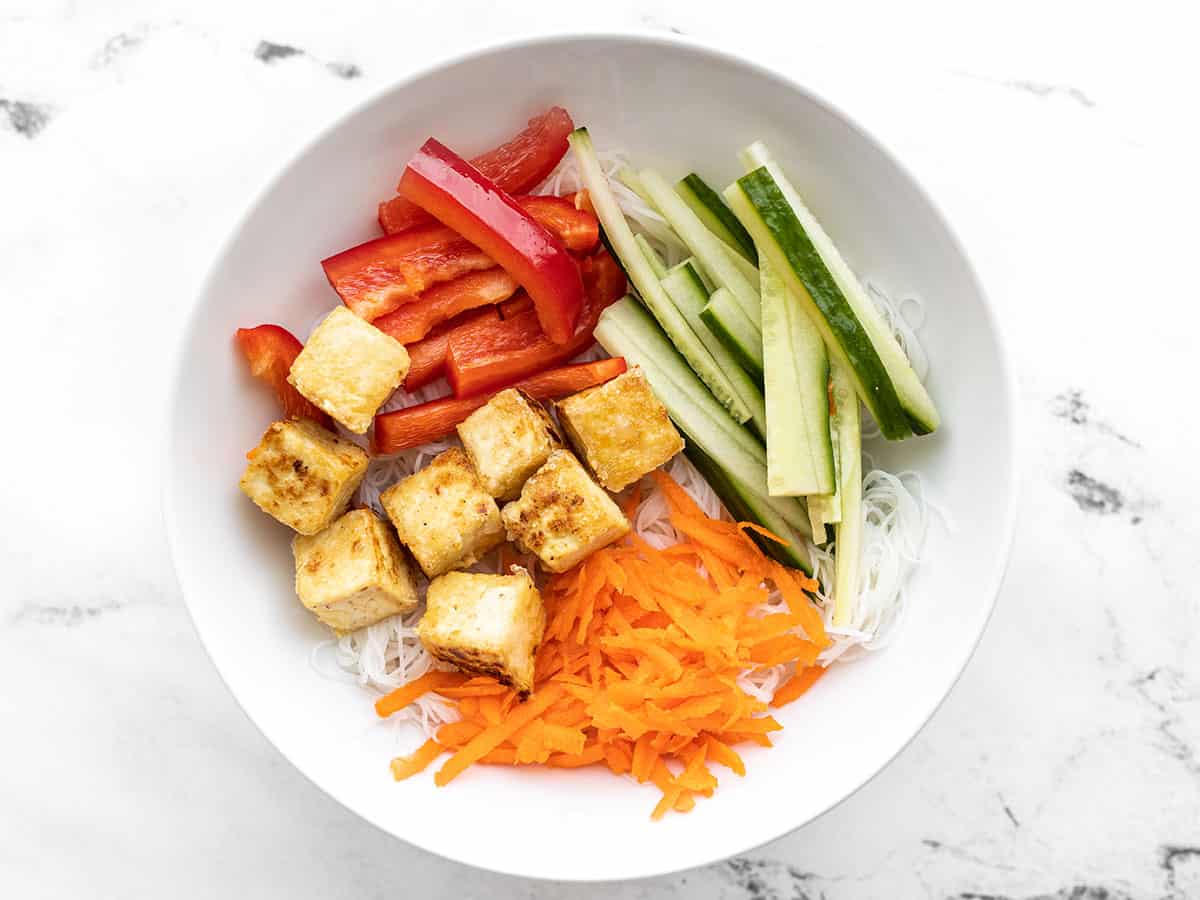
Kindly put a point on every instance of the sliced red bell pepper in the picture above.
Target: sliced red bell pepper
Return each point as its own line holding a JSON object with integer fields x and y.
{"x": 416, "y": 425}
{"x": 270, "y": 350}
{"x": 517, "y": 166}
{"x": 578, "y": 228}
{"x": 381, "y": 275}
{"x": 376, "y": 277}
{"x": 491, "y": 353}
{"x": 414, "y": 320}
{"x": 446, "y": 185}
{"x": 517, "y": 305}
{"x": 427, "y": 357}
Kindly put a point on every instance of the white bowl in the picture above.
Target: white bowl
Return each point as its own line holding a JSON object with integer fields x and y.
{"x": 679, "y": 107}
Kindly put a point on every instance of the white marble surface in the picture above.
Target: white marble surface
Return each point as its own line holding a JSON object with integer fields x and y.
{"x": 1061, "y": 139}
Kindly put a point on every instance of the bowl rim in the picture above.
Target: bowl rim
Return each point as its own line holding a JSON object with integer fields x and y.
{"x": 993, "y": 583}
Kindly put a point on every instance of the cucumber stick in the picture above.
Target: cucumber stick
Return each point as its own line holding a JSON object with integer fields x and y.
{"x": 630, "y": 179}
{"x": 685, "y": 287}
{"x": 799, "y": 450}
{"x": 826, "y": 509}
{"x": 707, "y": 247}
{"x": 652, "y": 257}
{"x": 709, "y": 287}
{"x": 848, "y": 554}
{"x": 657, "y": 228}
{"x": 781, "y": 240}
{"x": 626, "y": 329}
{"x": 727, "y": 321}
{"x": 716, "y": 216}
{"x": 772, "y": 211}
{"x": 748, "y": 269}
{"x": 640, "y": 272}
{"x": 744, "y": 506}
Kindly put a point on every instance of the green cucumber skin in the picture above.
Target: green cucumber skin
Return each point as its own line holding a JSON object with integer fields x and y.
{"x": 643, "y": 278}
{"x": 742, "y": 507}
{"x": 722, "y": 321}
{"x": 711, "y": 209}
{"x": 802, "y": 259}
{"x": 714, "y": 254}
{"x": 685, "y": 287}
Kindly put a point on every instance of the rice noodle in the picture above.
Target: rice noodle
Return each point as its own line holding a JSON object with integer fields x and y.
{"x": 903, "y": 319}
{"x": 388, "y": 654}
{"x": 895, "y": 519}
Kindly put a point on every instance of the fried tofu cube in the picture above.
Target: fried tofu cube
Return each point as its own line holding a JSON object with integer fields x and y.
{"x": 349, "y": 368}
{"x": 620, "y": 429}
{"x": 353, "y": 574}
{"x": 443, "y": 514}
{"x": 303, "y": 474}
{"x": 508, "y": 439}
{"x": 562, "y": 515}
{"x": 486, "y": 624}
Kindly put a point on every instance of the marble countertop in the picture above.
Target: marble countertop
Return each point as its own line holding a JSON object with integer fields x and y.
{"x": 1060, "y": 139}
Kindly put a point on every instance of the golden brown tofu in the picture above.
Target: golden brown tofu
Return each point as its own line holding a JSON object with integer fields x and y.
{"x": 443, "y": 514}
{"x": 349, "y": 368}
{"x": 562, "y": 515}
{"x": 508, "y": 439}
{"x": 620, "y": 429}
{"x": 353, "y": 574}
{"x": 486, "y": 624}
{"x": 303, "y": 474}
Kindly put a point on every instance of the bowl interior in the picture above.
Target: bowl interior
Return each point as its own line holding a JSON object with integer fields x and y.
{"x": 679, "y": 108}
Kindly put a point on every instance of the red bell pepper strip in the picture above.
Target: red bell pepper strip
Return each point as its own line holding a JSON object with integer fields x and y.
{"x": 381, "y": 275}
{"x": 416, "y": 425}
{"x": 414, "y": 320}
{"x": 445, "y": 184}
{"x": 578, "y": 228}
{"x": 517, "y": 166}
{"x": 427, "y": 357}
{"x": 270, "y": 350}
{"x": 376, "y": 277}
{"x": 517, "y": 305}
{"x": 492, "y": 353}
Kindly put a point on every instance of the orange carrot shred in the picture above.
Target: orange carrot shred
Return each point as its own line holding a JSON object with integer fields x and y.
{"x": 491, "y": 738}
{"x": 455, "y": 734}
{"x": 406, "y": 694}
{"x": 755, "y": 527}
{"x": 724, "y": 754}
{"x": 407, "y": 766}
{"x": 795, "y": 686}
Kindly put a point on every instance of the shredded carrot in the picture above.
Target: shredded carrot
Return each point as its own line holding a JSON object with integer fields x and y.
{"x": 629, "y": 507}
{"x": 406, "y": 694}
{"x": 758, "y": 529}
{"x": 639, "y": 667}
{"x": 455, "y": 734}
{"x": 797, "y": 685}
{"x": 407, "y": 766}
{"x": 468, "y": 707}
{"x": 491, "y": 738}
{"x": 724, "y": 754}
{"x": 473, "y": 690}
